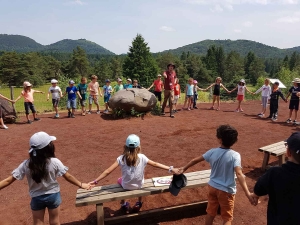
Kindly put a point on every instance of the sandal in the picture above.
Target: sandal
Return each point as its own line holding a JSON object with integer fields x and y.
{"x": 136, "y": 208}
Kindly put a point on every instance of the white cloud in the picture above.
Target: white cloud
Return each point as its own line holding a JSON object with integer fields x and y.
{"x": 239, "y": 2}
{"x": 289, "y": 19}
{"x": 248, "y": 24}
{"x": 166, "y": 28}
{"x": 76, "y": 2}
{"x": 217, "y": 8}
{"x": 237, "y": 31}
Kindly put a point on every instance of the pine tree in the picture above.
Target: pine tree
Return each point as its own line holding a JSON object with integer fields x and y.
{"x": 139, "y": 63}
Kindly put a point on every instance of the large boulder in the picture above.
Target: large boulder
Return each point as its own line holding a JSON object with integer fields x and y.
{"x": 140, "y": 99}
{"x": 8, "y": 113}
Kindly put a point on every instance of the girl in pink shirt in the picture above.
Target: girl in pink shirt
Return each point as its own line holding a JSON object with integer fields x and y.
{"x": 27, "y": 93}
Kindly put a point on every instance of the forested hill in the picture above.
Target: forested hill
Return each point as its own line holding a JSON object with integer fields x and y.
{"x": 21, "y": 43}
{"x": 240, "y": 46}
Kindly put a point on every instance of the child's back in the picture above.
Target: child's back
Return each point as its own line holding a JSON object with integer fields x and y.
{"x": 222, "y": 162}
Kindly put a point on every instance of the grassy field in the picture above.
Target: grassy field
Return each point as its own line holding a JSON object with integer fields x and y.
{"x": 42, "y": 105}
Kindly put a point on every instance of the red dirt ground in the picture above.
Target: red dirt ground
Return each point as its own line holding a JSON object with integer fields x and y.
{"x": 88, "y": 145}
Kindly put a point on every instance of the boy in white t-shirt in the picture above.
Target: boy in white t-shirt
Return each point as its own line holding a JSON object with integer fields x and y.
{"x": 56, "y": 95}
{"x": 265, "y": 96}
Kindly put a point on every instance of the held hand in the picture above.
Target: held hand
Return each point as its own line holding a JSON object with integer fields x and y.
{"x": 100, "y": 95}
{"x": 253, "y": 198}
{"x": 87, "y": 186}
{"x": 92, "y": 183}
{"x": 42, "y": 92}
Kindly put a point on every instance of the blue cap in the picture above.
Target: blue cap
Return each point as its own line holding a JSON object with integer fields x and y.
{"x": 107, "y": 81}
{"x": 133, "y": 141}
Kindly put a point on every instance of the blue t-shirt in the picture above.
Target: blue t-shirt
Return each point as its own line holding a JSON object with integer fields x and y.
{"x": 107, "y": 90}
{"x": 190, "y": 89}
{"x": 222, "y": 163}
{"x": 294, "y": 90}
{"x": 127, "y": 85}
{"x": 71, "y": 92}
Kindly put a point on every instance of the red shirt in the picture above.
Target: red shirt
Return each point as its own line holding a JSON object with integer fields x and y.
{"x": 177, "y": 89}
{"x": 169, "y": 80}
{"x": 158, "y": 84}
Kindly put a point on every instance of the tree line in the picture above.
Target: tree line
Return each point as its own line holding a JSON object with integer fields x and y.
{"x": 141, "y": 64}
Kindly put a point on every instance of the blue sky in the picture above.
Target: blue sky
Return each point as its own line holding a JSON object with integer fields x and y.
{"x": 165, "y": 24}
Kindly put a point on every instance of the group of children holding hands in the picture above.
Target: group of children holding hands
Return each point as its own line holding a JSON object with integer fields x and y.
{"x": 282, "y": 184}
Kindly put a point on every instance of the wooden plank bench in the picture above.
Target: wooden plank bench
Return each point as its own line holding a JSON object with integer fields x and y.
{"x": 99, "y": 195}
{"x": 277, "y": 149}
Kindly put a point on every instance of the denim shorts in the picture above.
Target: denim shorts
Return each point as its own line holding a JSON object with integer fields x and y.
{"x": 55, "y": 102}
{"x": 71, "y": 103}
{"x": 106, "y": 98}
{"x": 82, "y": 102}
{"x": 50, "y": 201}
{"x": 93, "y": 98}
{"x": 29, "y": 105}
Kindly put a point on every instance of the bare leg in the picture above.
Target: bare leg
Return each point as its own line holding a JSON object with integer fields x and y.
{"x": 73, "y": 111}
{"x": 296, "y": 114}
{"x": 290, "y": 114}
{"x": 90, "y": 107}
{"x": 38, "y": 217}
{"x": 185, "y": 101}
{"x": 1, "y": 122}
{"x": 34, "y": 115}
{"x": 239, "y": 105}
{"x": 56, "y": 109}
{"x": 226, "y": 222}
{"x": 27, "y": 117}
{"x": 218, "y": 102}
{"x": 209, "y": 219}
{"x": 214, "y": 99}
{"x": 54, "y": 216}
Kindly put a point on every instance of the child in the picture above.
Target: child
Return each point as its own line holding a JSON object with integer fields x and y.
{"x": 119, "y": 85}
{"x": 241, "y": 88}
{"x": 107, "y": 90}
{"x": 41, "y": 170}
{"x": 274, "y": 98}
{"x": 196, "y": 88}
{"x": 265, "y": 95}
{"x": 132, "y": 164}
{"x": 27, "y": 93}
{"x": 225, "y": 163}
{"x": 71, "y": 103}
{"x": 176, "y": 94}
{"x": 94, "y": 92}
{"x": 82, "y": 88}
{"x": 282, "y": 184}
{"x": 216, "y": 92}
{"x": 56, "y": 95}
{"x": 136, "y": 84}
{"x": 158, "y": 88}
{"x": 129, "y": 84}
{"x": 2, "y": 125}
{"x": 294, "y": 102}
{"x": 189, "y": 94}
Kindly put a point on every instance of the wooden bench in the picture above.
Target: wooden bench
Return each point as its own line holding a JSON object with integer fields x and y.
{"x": 277, "y": 149}
{"x": 99, "y": 195}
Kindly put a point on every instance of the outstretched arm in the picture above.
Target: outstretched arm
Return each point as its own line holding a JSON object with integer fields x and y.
{"x": 150, "y": 86}
{"x": 191, "y": 163}
{"x": 76, "y": 182}
{"x": 161, "y": 166}
{"x": 18, "y": 98}
{"x": 249, "y": 90}
{"x": 7, "y": 99}
{"x": 242, "y": 181}
{"x": 6, "y": 182}
{"x": 35, "y": 91}
{"x": 209, "y": 86}
{"x": 105, "y": 173}
{"x": 224, "y": 88}
{"x": 233, "y": 89}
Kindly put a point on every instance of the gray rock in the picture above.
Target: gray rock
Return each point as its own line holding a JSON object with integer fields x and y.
{"x": 140, "y": 99}
{"x": 8, "y": 113}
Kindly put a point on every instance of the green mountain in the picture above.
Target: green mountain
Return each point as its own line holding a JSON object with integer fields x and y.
{"x": 240, "y": 46}
{"x": 18, "y": 43}
{"x": 21, "y": 43}
{"x": 67, "y": 45}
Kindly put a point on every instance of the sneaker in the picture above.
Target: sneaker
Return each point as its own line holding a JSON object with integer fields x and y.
{"x": 189, "y": 109}
{"x": 172, "y": 116}
{"x": 4, "y": 127}
{"x": 288, "y": 120}
{"x": 69, "y": 114}
{"x": 295, "y": 122}
{"x": 36, "y": 119}
{"x": 237, "y": 110}
{"x": 83, "y": 114}
{"x": 195, "y": 107}
{"x": 163, "y": 112}
{"x": 106, "y": 111}
{"x": 274, "y": 119}
{"x": 218, "y": 109}
{"x": 125, "y": 207}
{"x": 241, "y": 110}
{"x": 89, "y": 112}
{"x": 212, "y": 108}
{"x": 98, "y": 112}
{"x": 72, "y": 116}
{"x": 29, "y": 121}
{"x": 136, "y": 208}
{"x": 56, "y": 116}
{"x": 260, "y": 114}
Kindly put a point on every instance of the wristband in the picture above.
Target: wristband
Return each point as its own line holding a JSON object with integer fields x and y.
{"x": 95, "y": 182}
{"x": 170, "y": 169}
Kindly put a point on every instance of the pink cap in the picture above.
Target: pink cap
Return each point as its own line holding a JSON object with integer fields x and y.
{"x": 195, "y": 82}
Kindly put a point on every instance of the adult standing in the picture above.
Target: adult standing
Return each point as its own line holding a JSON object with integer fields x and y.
{"x": 169, "y": 84}
{"x": 158, "y": 87}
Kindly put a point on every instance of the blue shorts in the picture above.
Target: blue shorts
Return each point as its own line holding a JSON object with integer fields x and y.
{"x": 29, "y": 105}
{"x": 50, "y": 201}
{"x": 71, "y": 103}
{"x": 106, "y": 98}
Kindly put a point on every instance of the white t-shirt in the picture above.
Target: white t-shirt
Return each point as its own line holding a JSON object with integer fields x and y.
{"x": 265, "y": 91}
{"x": 133, "y": 176}
{"x": 55, "y": 91}
{"x": 241, "y": 90}
{"x": 48, "y": 186}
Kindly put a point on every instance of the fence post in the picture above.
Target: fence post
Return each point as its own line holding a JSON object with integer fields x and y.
{"x": 12, "y": 98}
